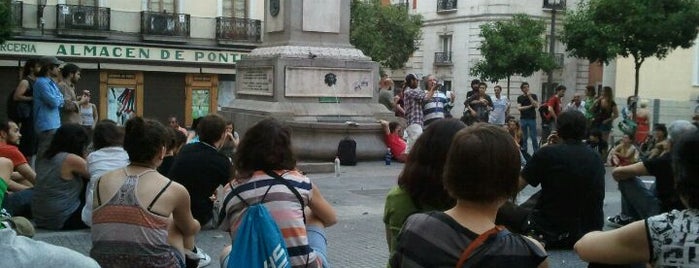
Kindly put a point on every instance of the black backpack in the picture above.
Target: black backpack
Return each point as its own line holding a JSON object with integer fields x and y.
{"x": 347, "y": 152}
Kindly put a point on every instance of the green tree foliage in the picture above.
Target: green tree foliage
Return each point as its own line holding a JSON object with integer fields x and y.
{"x": 512, "y": 47}
{"x": 386, "y": 33}
{"x": 601, "y": 30}
{"x": 5, "y": 21}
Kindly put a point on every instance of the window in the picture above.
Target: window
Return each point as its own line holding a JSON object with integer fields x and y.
{"x": 444, "y": 56}
{"x": 235, "y": 8}
{"x": 90, "y": 3}
{"x": 446, "y": 5}
{"x": 162, "y": 5}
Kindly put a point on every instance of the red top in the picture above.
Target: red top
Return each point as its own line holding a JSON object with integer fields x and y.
{"x": 555, "y": 103}
{"x": 12, "y": 152}
{"x": 396, "y": 144}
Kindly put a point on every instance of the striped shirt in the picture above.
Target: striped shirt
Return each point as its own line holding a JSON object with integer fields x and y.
{"x": 434, "y": 108}
{"x": 284, "y": 208}
{"x": 434, "y": 239}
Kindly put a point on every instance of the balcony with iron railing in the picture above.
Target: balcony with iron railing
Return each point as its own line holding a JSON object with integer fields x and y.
{"x": 16, "y": 10}
{"x": 165, "y": 27}
{"x": 83, "y": 21}
{"x": 442, "y": 58}
{"x": 444, "y": 6}
{"x": 230, "y": 31}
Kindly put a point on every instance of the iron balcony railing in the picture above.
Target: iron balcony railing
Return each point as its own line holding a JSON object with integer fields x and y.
{"x": 16, "y": 13}
{"x": 238, "y": 30}
{"x": 166, "y": 24}
{"x": 74, "y": 17}
{"x": 442, "y": 57}
{"x": 446, "y": 5}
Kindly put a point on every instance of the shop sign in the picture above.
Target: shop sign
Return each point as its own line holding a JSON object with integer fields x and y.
{"x": 124, "y": 52}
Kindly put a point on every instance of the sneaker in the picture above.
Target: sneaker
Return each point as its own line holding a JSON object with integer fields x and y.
{"x": 619, "y": 220}
{"x": 204, "y": 259}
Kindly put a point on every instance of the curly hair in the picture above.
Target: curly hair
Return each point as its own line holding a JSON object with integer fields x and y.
{"x": 421, "y": 177}
{"x": 265, "y": 146}
{"x": 69, "y": 138}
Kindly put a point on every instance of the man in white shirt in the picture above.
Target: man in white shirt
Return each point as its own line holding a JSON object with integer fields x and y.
{"x": 501, "y": 107}
{"x": 576, "y": 104}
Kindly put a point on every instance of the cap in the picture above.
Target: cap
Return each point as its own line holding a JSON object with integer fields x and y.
{"x": 410, "y": 77}
{"x": 51, "y": 59}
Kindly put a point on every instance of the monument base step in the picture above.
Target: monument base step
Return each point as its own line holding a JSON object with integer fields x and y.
{"x": 316, "y": 167}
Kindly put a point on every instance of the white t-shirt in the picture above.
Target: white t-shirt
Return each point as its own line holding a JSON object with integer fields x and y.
{"x": 497, "y": 116}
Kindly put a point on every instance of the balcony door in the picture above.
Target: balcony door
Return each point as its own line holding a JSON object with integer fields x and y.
{"x": 235, "y": 9}
{"x": 162, "y": 6}
{"x": 201, "y": 97}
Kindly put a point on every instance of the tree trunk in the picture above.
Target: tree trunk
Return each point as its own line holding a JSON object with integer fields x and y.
{"x": 508, "y": 87}
{"x": 637, "y": 65}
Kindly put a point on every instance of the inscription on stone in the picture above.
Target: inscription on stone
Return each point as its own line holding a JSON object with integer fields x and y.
{"x": 255, "y": 81}
{"x": 328, "y": 82}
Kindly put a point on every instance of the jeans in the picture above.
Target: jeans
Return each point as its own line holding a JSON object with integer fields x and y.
{"x": 529, "y": 131}
{"x": 19, "y": 203}
{"x": 637, "y": 201}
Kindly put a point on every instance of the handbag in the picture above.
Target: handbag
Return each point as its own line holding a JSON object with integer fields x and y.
{"x": 24, "y": 110}
{"x": 628, "y": 127}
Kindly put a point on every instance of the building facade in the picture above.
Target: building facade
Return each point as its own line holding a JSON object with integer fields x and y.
{"x": 152, "y": 58}
{"x": 450, "y": 41}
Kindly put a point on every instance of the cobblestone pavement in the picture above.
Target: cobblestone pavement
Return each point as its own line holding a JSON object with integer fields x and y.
{"x": 358, "y": 239}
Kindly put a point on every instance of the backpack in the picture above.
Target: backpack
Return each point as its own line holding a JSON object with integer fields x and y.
{"x": 347, "y": 152}
{"x": 546, "y": 116}
{"x": 258, "y": 240}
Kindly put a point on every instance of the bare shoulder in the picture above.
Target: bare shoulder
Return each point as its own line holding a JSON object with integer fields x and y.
{"x": 75, "y": 160}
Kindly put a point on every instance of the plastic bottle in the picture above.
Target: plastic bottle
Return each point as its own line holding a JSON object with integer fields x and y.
{"x": 388, "y": 156}
{"x": 337, "y": 166}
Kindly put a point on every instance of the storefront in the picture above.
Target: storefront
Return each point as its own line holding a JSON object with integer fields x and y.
{"x": 155, "y": 82}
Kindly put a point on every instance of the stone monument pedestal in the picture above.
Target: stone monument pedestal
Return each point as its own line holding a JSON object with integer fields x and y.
{"x": 308, "y": 76}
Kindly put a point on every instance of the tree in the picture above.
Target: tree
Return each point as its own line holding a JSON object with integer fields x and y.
{"x": 386, "y": 33}
{"x": 5, "y": 21}
{"x": 601, "y": 30}
{"x": 512, "y": 47}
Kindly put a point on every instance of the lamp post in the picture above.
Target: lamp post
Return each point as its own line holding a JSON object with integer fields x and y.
{"x": 42, "y": 5}
{"x": 553, "y": 5}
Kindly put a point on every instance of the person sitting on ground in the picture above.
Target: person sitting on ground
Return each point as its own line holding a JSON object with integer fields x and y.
{"x": 394, "y": 140}
{"x": 176, "y": 140}
{"x": 22, "y": 251}
{"x": 624, "y": 153}
{"x": 481, "y": 173}
{"x": 232, "y": 141}
{"x": 109, "y": 154}
{"x": 638, "y": 201}
{"x": 9, "y": 142}
{"x": 59, "y": 193}
{"x": 596, "y": 143}
{"x": 420, "y": 186}
{"x": 665, "y": 240}
{"x": 266, "y": 148}
{"x": 570, "y": 201}
{"x": 657, "y": 145}
{"x": 17, "y": 202}
{"x": 165, "y": 228}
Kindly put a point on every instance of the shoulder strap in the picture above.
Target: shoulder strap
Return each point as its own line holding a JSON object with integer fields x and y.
{"x": 158, "y": 195}
{"x": 97, "y": 191}
{"x": 479, "y": 241}
{"x": 291, "y": 188}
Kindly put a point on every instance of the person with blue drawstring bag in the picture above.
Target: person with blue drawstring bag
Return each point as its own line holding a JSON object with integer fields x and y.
{"x": 275, "y": 215}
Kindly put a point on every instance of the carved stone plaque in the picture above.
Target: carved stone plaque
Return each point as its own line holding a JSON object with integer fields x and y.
{"x": 328, "y": 82}
{"x": 256, "y": 81}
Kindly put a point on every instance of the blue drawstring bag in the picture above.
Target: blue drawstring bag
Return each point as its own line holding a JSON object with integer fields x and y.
{"x": 258, "y": 241}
